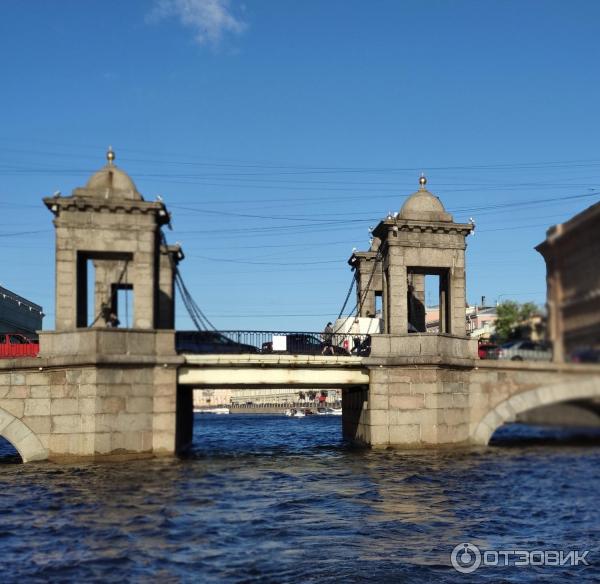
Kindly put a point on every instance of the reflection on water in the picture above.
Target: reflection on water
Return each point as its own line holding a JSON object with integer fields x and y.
{"x": 275, "y": 499}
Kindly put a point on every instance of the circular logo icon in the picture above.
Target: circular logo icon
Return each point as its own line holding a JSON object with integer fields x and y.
{"x": 465, "y": 558}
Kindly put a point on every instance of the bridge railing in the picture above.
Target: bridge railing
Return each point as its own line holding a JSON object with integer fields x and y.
{"x": 290, "y": 342}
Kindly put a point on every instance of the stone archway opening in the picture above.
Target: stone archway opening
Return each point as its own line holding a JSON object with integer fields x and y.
{"x": 574, "y": 405}
{"x": 21, "y": 437}
{"x": 8, "y": 453}
{"x": 236, "y": 421}
{"x": 536, "y": 435}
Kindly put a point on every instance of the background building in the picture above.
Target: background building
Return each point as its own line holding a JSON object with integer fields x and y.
{"x": 18, "y": 315}
{"x": 204, "y": 398}
{"x": 572, "y": 251}
{"x": 480, "y": 320}
{"x": 260, "y": 396}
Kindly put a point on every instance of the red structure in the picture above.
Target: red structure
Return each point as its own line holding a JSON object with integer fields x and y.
{"x": 13, "y": 345}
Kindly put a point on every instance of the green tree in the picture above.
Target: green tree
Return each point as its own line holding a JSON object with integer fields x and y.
{"x": 512, "y": 319}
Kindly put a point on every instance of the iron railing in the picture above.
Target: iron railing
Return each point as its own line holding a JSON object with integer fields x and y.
{"x": 287, "y": 342}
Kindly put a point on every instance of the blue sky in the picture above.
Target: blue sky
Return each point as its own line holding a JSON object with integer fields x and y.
{"x": 277, "y": 132}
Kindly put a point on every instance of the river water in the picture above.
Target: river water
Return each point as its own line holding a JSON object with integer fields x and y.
{"x": 273, "y": 499}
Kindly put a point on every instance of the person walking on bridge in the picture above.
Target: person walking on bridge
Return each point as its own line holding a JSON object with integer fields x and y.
{"x": 356, "y": 337}
{"x": 328, "y": 340}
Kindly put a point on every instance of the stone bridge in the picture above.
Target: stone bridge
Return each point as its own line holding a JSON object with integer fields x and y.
{"x": 97, "y": 391}
{"x": 123, "y": 404}
{"x": 433, "y": 403}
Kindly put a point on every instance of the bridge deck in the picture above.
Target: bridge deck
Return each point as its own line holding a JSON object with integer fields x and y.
{"x": 335, "y": 371}
{"x": 272, "y": 370}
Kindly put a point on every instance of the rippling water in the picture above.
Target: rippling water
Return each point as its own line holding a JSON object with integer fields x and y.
{"x": 273, "y": 499}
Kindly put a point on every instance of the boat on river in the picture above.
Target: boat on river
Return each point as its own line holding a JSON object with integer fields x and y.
{"x": 211, "y": 410}
{"x": 329, "y": 411}
{"x": 294, "y": 413}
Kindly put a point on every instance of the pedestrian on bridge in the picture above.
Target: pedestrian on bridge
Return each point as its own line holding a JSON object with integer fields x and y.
{"x": 356, "y": 337}
{"x": 328, "y": 340}
{"x": 113, "y": 321}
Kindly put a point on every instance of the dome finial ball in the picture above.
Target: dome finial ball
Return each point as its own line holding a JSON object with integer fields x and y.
{"x": 422, "y": 181}
{"x": 110, "y": 155}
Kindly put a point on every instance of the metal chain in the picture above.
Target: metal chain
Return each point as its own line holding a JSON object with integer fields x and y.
{"x": 347, "y": 296}
{"x": 198, "y": 317}
{"x": 358, "y": 306}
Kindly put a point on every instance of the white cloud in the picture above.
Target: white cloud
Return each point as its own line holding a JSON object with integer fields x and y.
{"x": 209, "y": 19}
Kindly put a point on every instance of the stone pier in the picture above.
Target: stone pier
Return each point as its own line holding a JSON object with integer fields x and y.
{"x": 93, "y": 394}
{"x": 419, "y": 382}
{"x": 98, "y": 389}
{"x": 429, "y": 389}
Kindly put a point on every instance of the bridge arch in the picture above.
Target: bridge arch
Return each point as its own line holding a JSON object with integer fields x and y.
{"x": 506, "y": 410}
{"x": 28, "y": 445}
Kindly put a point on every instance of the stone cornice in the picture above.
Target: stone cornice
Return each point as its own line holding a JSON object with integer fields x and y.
{"x": 429, "y": 245}
{"x": 405, "y": 226}
{"x": 359, "y": 256}
{"x": 87, "y": 204}
{"x": 560, "y": 234}
{"x": 174, "y": 250}
{"x": 67, "y": 361}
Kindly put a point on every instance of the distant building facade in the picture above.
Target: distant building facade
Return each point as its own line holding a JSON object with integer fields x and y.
{"x": 278, "y": 396}
{"x": 18, "y": 315}
{"x": 480, "y": 321}
{"x": 259, "y": 396}
{"x": 212, "y": 397}
{"x": 572, "y": 254}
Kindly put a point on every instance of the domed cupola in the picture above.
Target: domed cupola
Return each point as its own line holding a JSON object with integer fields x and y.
{"x": 424, "y": 206}
{"x": 110, "y": 182}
